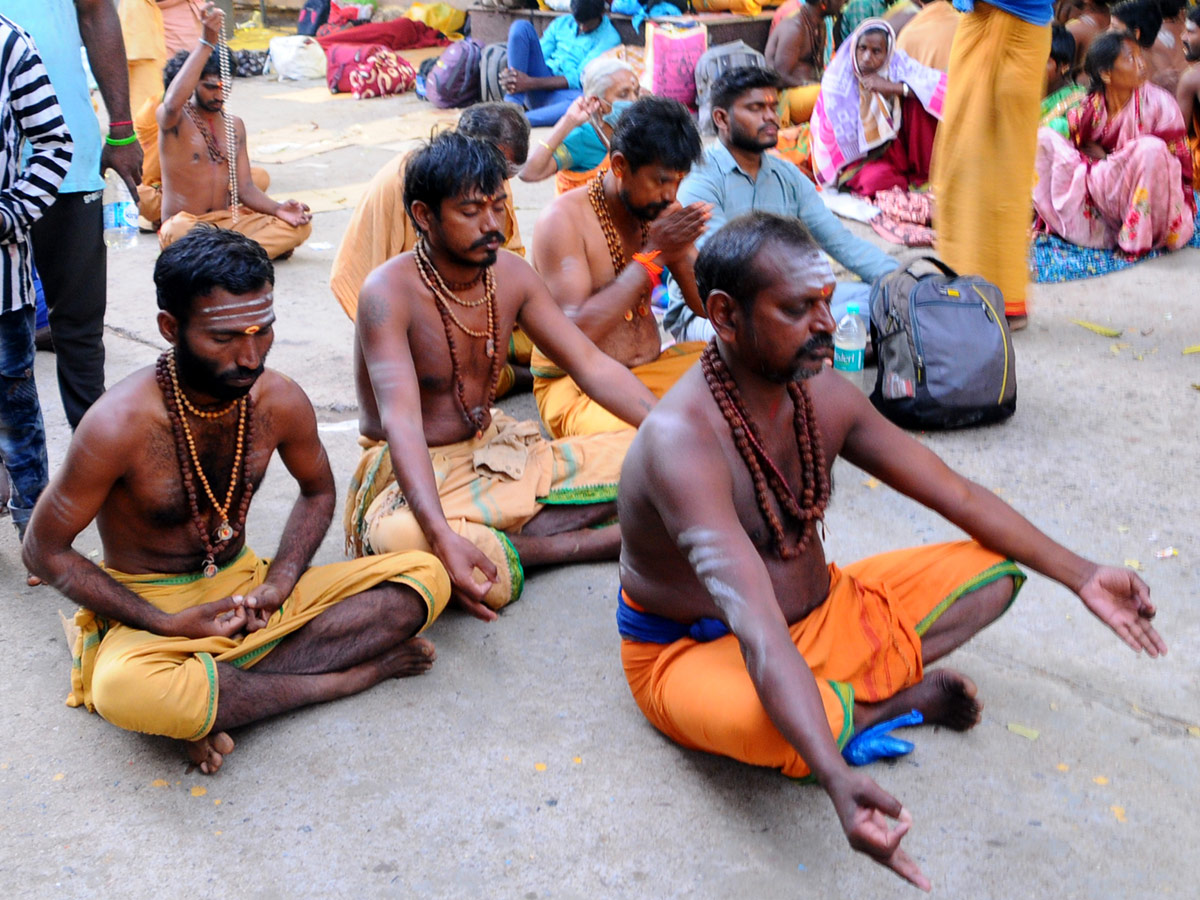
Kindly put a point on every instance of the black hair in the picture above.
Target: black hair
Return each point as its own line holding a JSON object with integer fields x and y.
{"x": 447, "y": 166}
{"x": 212, "y": 66}
{"x": 734, "y": 83}
{"x": 1144, "y": 15}
{"x": 587, "y": 10}
{"x": 499, "y": 123}
{"x": 1102, "y": 55}
{"x": 1171, "y": 9}
{"x": 726, "y": 261}
{"x": 1062, "y": 45}
{"x": 1194, "y": 15}
{"x": 205, "y": 258}
{"x": 657, "y": 130}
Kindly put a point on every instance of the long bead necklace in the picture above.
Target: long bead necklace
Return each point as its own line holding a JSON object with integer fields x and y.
{"x": 235, "y": 203}
{"x": 189, "y": 462}
{"x": 810, "y": 508}
{"x": 430, "y": 278}
{"x": 616, "y": 249}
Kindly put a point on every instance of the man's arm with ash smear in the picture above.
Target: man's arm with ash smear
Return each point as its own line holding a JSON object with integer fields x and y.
{"x": 705, "y": 527}
{"x": 599, "y": 375}
{"x": 96, "y": 460}
{"x": 303, "y": 454}
{"x": 1116, "y": 596}
{"x": 382, "y": 332}
{"x": 100, "y": 29}
{"x": 562, "y": 262}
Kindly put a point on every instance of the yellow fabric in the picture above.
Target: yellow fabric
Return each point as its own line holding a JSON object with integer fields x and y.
{"x": 276, "y": 236}
{"x": 1194, "y": 143}
{"x": 863, "y": 642}
{"x": 169, "y": 685}
{"x": 735, "y": 7}
{"x": 150, "y": 195}
{"x": 145, "y": 123}
{"x": 145, "y": 49}
{"x": 488, "y": 485}
{"x": 181, "y": 25}
{"x": 439, "y": 16}
{"x": 796, "y": 104}
{"x": 380, "y": 229}
{"x": 568, "y": 411}
{"x": 983, "y": 157}
{"x": 929, "y": 35}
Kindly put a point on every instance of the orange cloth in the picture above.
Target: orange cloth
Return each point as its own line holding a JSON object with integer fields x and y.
{"x": 380, "y": 229}
{"x": 181, "y": 24}
{"x": 145, "y": 123}
{"x": 863, "y": 642}
{"x": 145, "y": 49}
{"x": 796, "y": 104}
{"x": 928, "y": 36}
{"x": 568, "y": 411}
{"x": 1194, "y": 143}
{"x": 566, "y": 180}
{"x": 150, "y": 194}
{"x": 275, "y": 236}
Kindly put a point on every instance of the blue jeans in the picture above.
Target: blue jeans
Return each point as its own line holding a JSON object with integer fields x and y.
{"x": 697, "y": 328}
{"x": 525, "y": 55}
{"x": 22, "y": 435}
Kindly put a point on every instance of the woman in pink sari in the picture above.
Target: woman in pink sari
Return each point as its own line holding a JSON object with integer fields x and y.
{"x": 876, "y": 116}
{"x": 1124, "y": 178}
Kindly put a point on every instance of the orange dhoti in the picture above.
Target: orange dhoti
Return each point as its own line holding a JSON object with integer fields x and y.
{"x": 568, "y": 411}
{"x": 863, "y": 642}
{"x": 275, "y": 236}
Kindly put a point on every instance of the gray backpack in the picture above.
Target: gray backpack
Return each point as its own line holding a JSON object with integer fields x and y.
{"x": 714, "y": 62}
{"x": 944, "y": 350}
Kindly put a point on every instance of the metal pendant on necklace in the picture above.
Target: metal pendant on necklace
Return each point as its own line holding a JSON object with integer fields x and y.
{"x": 223, "y": 533}
{"x": 490, "y": 348}
{"x": 209, "y": 569}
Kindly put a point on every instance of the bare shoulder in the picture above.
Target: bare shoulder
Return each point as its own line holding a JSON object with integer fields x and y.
{"x": 122, "y": 414}
{"x": 563, "y": 212}
{"x": 1190, "y": 79}
{"x": 280, "y": 402}
{"x": 378, "y": 301}
{"x": 681, "y": 430}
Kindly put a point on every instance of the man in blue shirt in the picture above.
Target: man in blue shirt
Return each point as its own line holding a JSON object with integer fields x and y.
{"x": 738, "y": 176}
{"x": 68, "y": 242}
{"x": 543, "y": 76}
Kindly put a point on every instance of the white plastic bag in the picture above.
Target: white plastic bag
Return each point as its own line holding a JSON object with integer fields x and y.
{"x": 296, "y": 56}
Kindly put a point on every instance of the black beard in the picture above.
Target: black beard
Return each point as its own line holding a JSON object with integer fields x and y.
{"x": 196, "y": 374}
{"x": 642, "y": 213}
{"x": 751, "y": 143}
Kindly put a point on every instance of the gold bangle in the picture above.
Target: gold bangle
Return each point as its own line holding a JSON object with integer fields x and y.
{"x": 549, "y": 149}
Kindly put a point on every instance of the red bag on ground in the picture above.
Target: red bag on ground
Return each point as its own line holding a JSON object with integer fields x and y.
{"x": 382, "y": 75}
{"x": 401, "y": 34}
{"x": 341, "y": 60}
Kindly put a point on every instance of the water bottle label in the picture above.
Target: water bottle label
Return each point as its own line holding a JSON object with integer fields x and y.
{"x": 121, "y": 214}
{"x": 848, "y": 359}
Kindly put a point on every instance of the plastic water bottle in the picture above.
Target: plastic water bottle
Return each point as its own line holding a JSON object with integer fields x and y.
{"x": 120, "y": 213}
{"x": 849, "y": 346}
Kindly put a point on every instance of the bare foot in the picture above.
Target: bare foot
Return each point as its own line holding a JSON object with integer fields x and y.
{"x": 32, "y": 580}
{"x": 414, "y": 657}
{"x": 209, "y": 752}
{"x": 946, "y": 697}
{"x": 1017, "y": 323}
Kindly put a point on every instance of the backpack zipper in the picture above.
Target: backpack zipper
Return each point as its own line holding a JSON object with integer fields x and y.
{"x": 1003, "y": 342}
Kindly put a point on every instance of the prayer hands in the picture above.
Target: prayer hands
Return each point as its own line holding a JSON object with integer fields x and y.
{"x": 864, "y": 808}
{"x": 514, "y": 81}
{"x": 461, "y": 558}
{"x": 1121, "y": 600}
{"x": 294, "y": 213}
{"x": 212, "y": 18}
{"x": 220, "y": 618}
{"x": 677, "y": 228}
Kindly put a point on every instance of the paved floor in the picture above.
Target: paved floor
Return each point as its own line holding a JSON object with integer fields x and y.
{"x": 519, "y": 767}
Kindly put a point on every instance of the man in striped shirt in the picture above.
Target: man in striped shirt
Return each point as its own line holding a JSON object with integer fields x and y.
{"x": 28, "y": 112}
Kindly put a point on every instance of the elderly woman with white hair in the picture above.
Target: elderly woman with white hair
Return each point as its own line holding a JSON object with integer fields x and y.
{"x": 577, "y": 146}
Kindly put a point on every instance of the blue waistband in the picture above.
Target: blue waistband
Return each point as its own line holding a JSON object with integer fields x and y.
{"x": 635, "y": 625}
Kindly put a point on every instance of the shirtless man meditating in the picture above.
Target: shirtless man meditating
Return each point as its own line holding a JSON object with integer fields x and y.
{"x": 193, "y": 145}
{"x": 185, "y": 632}
{"x": 737, "y": 636}
{"x": 442, "y": 469}
{"x": 601, "y": 249}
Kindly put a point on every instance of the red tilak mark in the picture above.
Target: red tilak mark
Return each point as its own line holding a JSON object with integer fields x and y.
{"x": 253, "y": 329}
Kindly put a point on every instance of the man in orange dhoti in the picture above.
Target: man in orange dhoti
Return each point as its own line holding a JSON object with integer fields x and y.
{"x": 738, "y": 637}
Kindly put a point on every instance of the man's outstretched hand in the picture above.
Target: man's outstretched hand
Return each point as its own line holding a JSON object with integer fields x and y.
{"x": 461, "y": 558}
{"x": 1121, "y": 600}
{"x": 864, "y": 809}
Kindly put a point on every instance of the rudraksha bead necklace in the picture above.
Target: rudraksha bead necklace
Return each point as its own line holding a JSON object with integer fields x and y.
{"x": 616, "y": 249}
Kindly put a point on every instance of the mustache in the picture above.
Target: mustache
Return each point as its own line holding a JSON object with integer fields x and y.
{"x": 816, "y": 344}
{"x": 492, "y": 237}
{"x": 242, "y": 372}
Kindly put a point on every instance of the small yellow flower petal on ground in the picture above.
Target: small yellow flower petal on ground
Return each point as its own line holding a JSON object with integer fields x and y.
{"x": 1119, "y": 812}
{"x": 199, "y": 791}
{"x": 1100, "y": 780}
{"x": 1024, "y": 731}
{"x": 1063, "y": 767}
{"x": 577, "y": 760}
{"x": 60, "y": 776}
{"x": 541, "y": 767}
{"x": 158, "y": 782}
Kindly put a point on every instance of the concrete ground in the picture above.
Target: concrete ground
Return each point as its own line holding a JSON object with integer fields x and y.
{"x": 520, "y": 767}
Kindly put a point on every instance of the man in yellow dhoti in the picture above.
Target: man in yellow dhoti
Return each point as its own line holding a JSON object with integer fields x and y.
{"x": 185, "y": 632}
{"x": 380, "y": 228}
{"x": 145, "y": 49}
{"x": 443, "y": 470}
{"x": 602, "y": 249}
{"x": 199, "y": 142}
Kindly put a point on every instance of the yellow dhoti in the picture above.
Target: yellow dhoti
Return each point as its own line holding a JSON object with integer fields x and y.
{"x": 568, "y": 411}
{"x": 487, "y": 486}
{"x": 168, "y": 685}
{"x": 796, "y": 104}
{"x": 275, "y": 236}
{"x": 983, "y": 157}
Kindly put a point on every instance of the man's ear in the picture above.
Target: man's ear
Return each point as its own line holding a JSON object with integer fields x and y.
{"x": 720, "y": 118}
{"x": 421, "y": 215}
{"x": 168, "y": 327}
{"x": 619, "y": 164}
{"x": 725, "y": 314}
